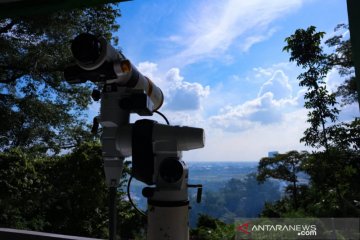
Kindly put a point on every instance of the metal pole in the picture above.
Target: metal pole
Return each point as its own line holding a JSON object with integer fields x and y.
{"x": 112, "y": 213}
{"x": 353, "y": 7}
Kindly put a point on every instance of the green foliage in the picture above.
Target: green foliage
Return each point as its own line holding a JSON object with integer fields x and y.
{"x": 348, "y": 91}
{"x": 22, "y": 189}
{"x": 334, "y": 189}
{"x": 64, "y": 194}
{"x": 346, "y": 135}
{"x": 39, "y": 111}
{"x": 209, "y": 228}
{"x": 334, "y": 176}
{"x": 283, "y": 167}
{"x": 238, "y": 198}
{"x": 342, "y": 60}
{"x": 42, "y": 115}
{"x": 305, "y": 50}
{"x": 246, "y": 198}
{"x": 79, "y": 193}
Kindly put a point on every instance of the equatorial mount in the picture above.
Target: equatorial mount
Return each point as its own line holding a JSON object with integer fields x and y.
{"x": 156, "y": 149}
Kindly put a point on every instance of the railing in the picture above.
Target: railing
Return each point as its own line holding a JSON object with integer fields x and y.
{"x": 14, "y": 234}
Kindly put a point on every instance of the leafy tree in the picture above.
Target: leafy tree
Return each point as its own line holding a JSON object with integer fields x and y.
{"x": 65, "y": 194}
{"x": 305, "y": 49}
{"x": 285, "y": 167}
{"x": 22, "y": 191}
{"x": 209, "y": 228}
{"x": 39, "y": 111}
{"x": 333, "y": 168}
{"x": 342, "y": 59}
{"x": 41, "y": 114}
{"x": 246, "y": 198}
{"x": 238, "y": 198}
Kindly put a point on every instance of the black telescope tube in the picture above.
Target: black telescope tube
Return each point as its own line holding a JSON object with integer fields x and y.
{"x": 86, "y": 48}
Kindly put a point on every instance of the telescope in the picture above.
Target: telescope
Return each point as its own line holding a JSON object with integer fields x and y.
{"x": 156, "y": 149}
{"x": 98, "y": 61}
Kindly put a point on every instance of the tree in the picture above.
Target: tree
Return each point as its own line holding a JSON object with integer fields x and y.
{"x": 65, "y": 194}
{"x": 41, "y": 115}
{"x": 342, "y": 59}
{"x": 284, "y": 167}
{"x": 39, "y": 111}
{"x": 22, "y": 191}
{"x": 209, "y": 228}
{"x": 238, "y": 198}
{"x": 334, "y": 166}
{"x": 305, "y": 50}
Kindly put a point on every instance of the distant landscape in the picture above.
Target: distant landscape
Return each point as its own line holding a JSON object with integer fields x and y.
{"x": 219, "y": 171}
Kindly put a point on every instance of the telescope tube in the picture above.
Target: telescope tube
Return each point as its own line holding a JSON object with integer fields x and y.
{"x": 98, "y": 61}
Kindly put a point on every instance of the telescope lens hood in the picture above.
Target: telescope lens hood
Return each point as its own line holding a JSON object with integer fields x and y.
{"x": 86, "y": 48}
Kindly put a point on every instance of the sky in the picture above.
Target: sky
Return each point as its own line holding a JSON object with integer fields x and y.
{"x": 221, "y": 67}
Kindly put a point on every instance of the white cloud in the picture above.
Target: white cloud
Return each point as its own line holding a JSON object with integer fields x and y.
{"x": 278, "y": 84}
{"x": 250, "y": 41}
{"x": 333, "y": 80}
{"x": 253, "y": 143}
{"x": 180, "y": 95}
{"x": 263, "y": 110}
{"x": 275, "y": 98}
{"x": 261, "y": 72}
{"x": 184, "y": 95}
{"x": 148, "y": 68}
{"x": 290, "y": 68}
{"x": 210, "y": 29}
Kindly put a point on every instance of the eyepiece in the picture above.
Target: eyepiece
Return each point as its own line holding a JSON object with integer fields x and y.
{"x": 86, "y": 48}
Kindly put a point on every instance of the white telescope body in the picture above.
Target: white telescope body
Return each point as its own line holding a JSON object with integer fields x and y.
{"x": 186, "y": 138}
{"x": 165, "y": 138}
{"x": 94, "y": 54}
{"x": 127, "y": 74}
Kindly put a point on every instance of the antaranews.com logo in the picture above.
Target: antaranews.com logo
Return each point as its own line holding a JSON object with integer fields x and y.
{"x": 301, "y": 230}
{"x": 297, "y": 228}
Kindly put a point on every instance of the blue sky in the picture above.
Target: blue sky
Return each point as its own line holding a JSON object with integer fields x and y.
{"x": 221, "y": 67}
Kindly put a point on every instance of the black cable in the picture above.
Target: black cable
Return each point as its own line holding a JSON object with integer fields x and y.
{"x": 130, "y": 200}
{"x": 167, "y": 121}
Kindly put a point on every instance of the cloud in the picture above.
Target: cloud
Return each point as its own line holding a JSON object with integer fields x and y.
{"x": 180, "y": 95}
{"x": 250, "y": 41}
{"x": 278, "y": 84}
{"x": 253, "y": 143}
{"x": 274, "y": 99}
{"x": 261, "y": 72}
{"x": 333, "y": 80}
{"x": 262, "y": 110}
{"x": 184, "y": 95}
{"x": 210, "y": 29}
